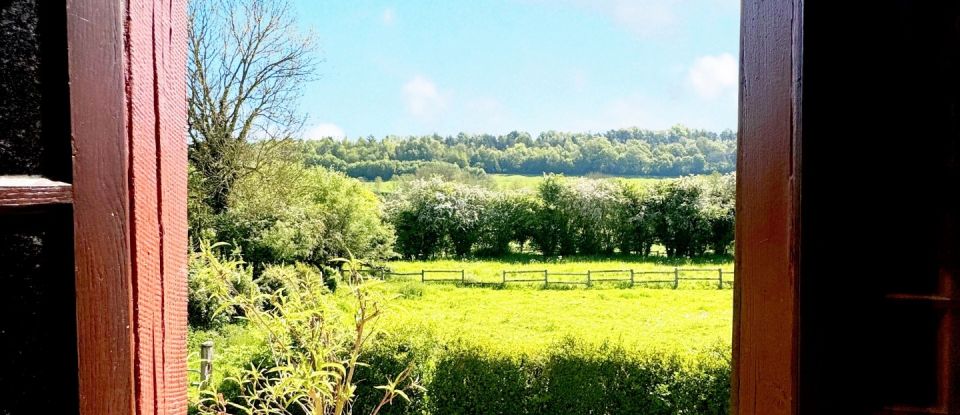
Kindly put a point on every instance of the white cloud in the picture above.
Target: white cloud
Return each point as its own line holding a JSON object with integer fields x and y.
{"x": 389, "y": 16}
{"x": 423, "y": 98}
{"x": 714, "y": 76}
{"x": 325, "y": 130}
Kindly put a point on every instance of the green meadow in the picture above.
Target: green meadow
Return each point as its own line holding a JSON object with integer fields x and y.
{"x": 513, "y": 348}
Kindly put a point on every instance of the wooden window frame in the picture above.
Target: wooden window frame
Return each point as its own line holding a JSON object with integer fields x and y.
{"x": 766, "y": 323}
{"x": 127, "y": 74}
{"x": 126, "y": 66}
{"x": 781, "y": 366}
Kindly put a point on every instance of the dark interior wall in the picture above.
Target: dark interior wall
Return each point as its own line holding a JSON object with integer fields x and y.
{"x": 34, "y": 112}
{"x": 20, "y": 105}
{"x": 38, "y": 342}
{"x": 880, "y": 98}
{"x": 38, "y": 368}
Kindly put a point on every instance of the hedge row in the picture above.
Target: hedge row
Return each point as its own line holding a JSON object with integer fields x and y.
{"x": 568, "y": 379}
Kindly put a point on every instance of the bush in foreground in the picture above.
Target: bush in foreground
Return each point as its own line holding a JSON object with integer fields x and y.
{"x": 570, "y": 378}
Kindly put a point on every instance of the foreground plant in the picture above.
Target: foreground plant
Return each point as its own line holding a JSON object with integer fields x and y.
{"x": 313, "y": 353}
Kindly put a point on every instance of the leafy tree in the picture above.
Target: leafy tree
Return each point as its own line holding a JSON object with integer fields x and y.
{"x": 687, "y": 216}
{"x": 286, "y": 213}
{"x": 633, "y": 231}
{"x": 508, "y": 218}
{"x": 720, "y": 211}
{"x": 246, "y": 67}
{"x": 418, "y": 218}
{"x": 674, "y": 152}
{"x": 434, "y": 216}
{"x": 553, "y": 225}
{"x": 676, "y": 216}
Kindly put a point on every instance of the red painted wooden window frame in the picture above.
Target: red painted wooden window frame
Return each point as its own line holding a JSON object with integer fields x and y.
{"x": 127, "y": 92}
{"x": 126, "y": 64}
{"x": 765, "y": 338}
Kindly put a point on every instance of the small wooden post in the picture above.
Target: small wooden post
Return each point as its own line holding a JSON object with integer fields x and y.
{"x": 206, "y": 362}
{"x": 588, "y": 278}
{"x": 463, "y": 277}
{"x": 504, "y": 276}
{"x": 546, "y": 281}
{"x": 676, "y": 278}
{"x": 631, "y": 278}
{"x": 720, "y": 278}
{"x": 423, "y": 276}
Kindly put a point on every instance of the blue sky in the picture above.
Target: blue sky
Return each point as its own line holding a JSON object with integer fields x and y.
{"x": 494, "y": 66}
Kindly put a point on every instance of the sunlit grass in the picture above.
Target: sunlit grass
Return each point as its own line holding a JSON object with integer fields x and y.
{"x": 517, "y": 182}
{"x": 529, "y": 320}
{"x": 526, "y": 319}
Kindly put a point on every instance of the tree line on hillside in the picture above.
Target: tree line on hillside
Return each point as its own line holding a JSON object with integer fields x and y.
{"x": 626, "y": 152}
{"x": 688, "y": 216}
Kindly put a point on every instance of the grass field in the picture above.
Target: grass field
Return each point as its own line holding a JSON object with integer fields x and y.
{"x": 529, "y": 320}
{"x": 466, "y": 341}
{"x": 516, "y": 181}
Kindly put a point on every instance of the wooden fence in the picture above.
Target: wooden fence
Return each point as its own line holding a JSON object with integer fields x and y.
{"x": 672, "y": 277}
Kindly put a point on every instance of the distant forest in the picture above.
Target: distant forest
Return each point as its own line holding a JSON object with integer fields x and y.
{"x": 626, "y": 152}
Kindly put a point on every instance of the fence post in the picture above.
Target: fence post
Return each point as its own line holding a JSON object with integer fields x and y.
{"x": 422, "y": 276}
{"x": 631, "y": 278}
{"x": 206, "y": 362}
{"x": 588, "y": 278}
{"x": 676, "y": 278}
{"x": 720, "y": 278}
{"x": 504, "y": 276}
{"x": 463, "y": 277}
{"x": 546, "y": 281}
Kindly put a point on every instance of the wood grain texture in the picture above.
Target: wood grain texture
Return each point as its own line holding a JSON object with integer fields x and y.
{"x": 95, "y": 36}
{"x": 131, "y": 203}
{"x": 146, "y": 237}
{"x": 171, "y": 101}
{"x": 765, "y": 294}
{"x": 157, "y": 111}
{"x": 20, "y": 191}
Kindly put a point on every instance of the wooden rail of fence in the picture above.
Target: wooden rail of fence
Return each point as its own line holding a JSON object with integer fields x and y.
{"x": 633, "y": 277}
{"x": 544, "y": 279}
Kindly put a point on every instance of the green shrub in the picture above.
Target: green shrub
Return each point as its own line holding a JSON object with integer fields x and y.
{"x": 211, "y": 278}
{"x": 569, "y": 378}
{"x": 284, "y": 278}
{"x": 313, "y": 346}
{"x": 286, "y": 213}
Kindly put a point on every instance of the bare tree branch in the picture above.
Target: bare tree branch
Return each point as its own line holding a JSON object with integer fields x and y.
{"x": 247, "y": 66}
